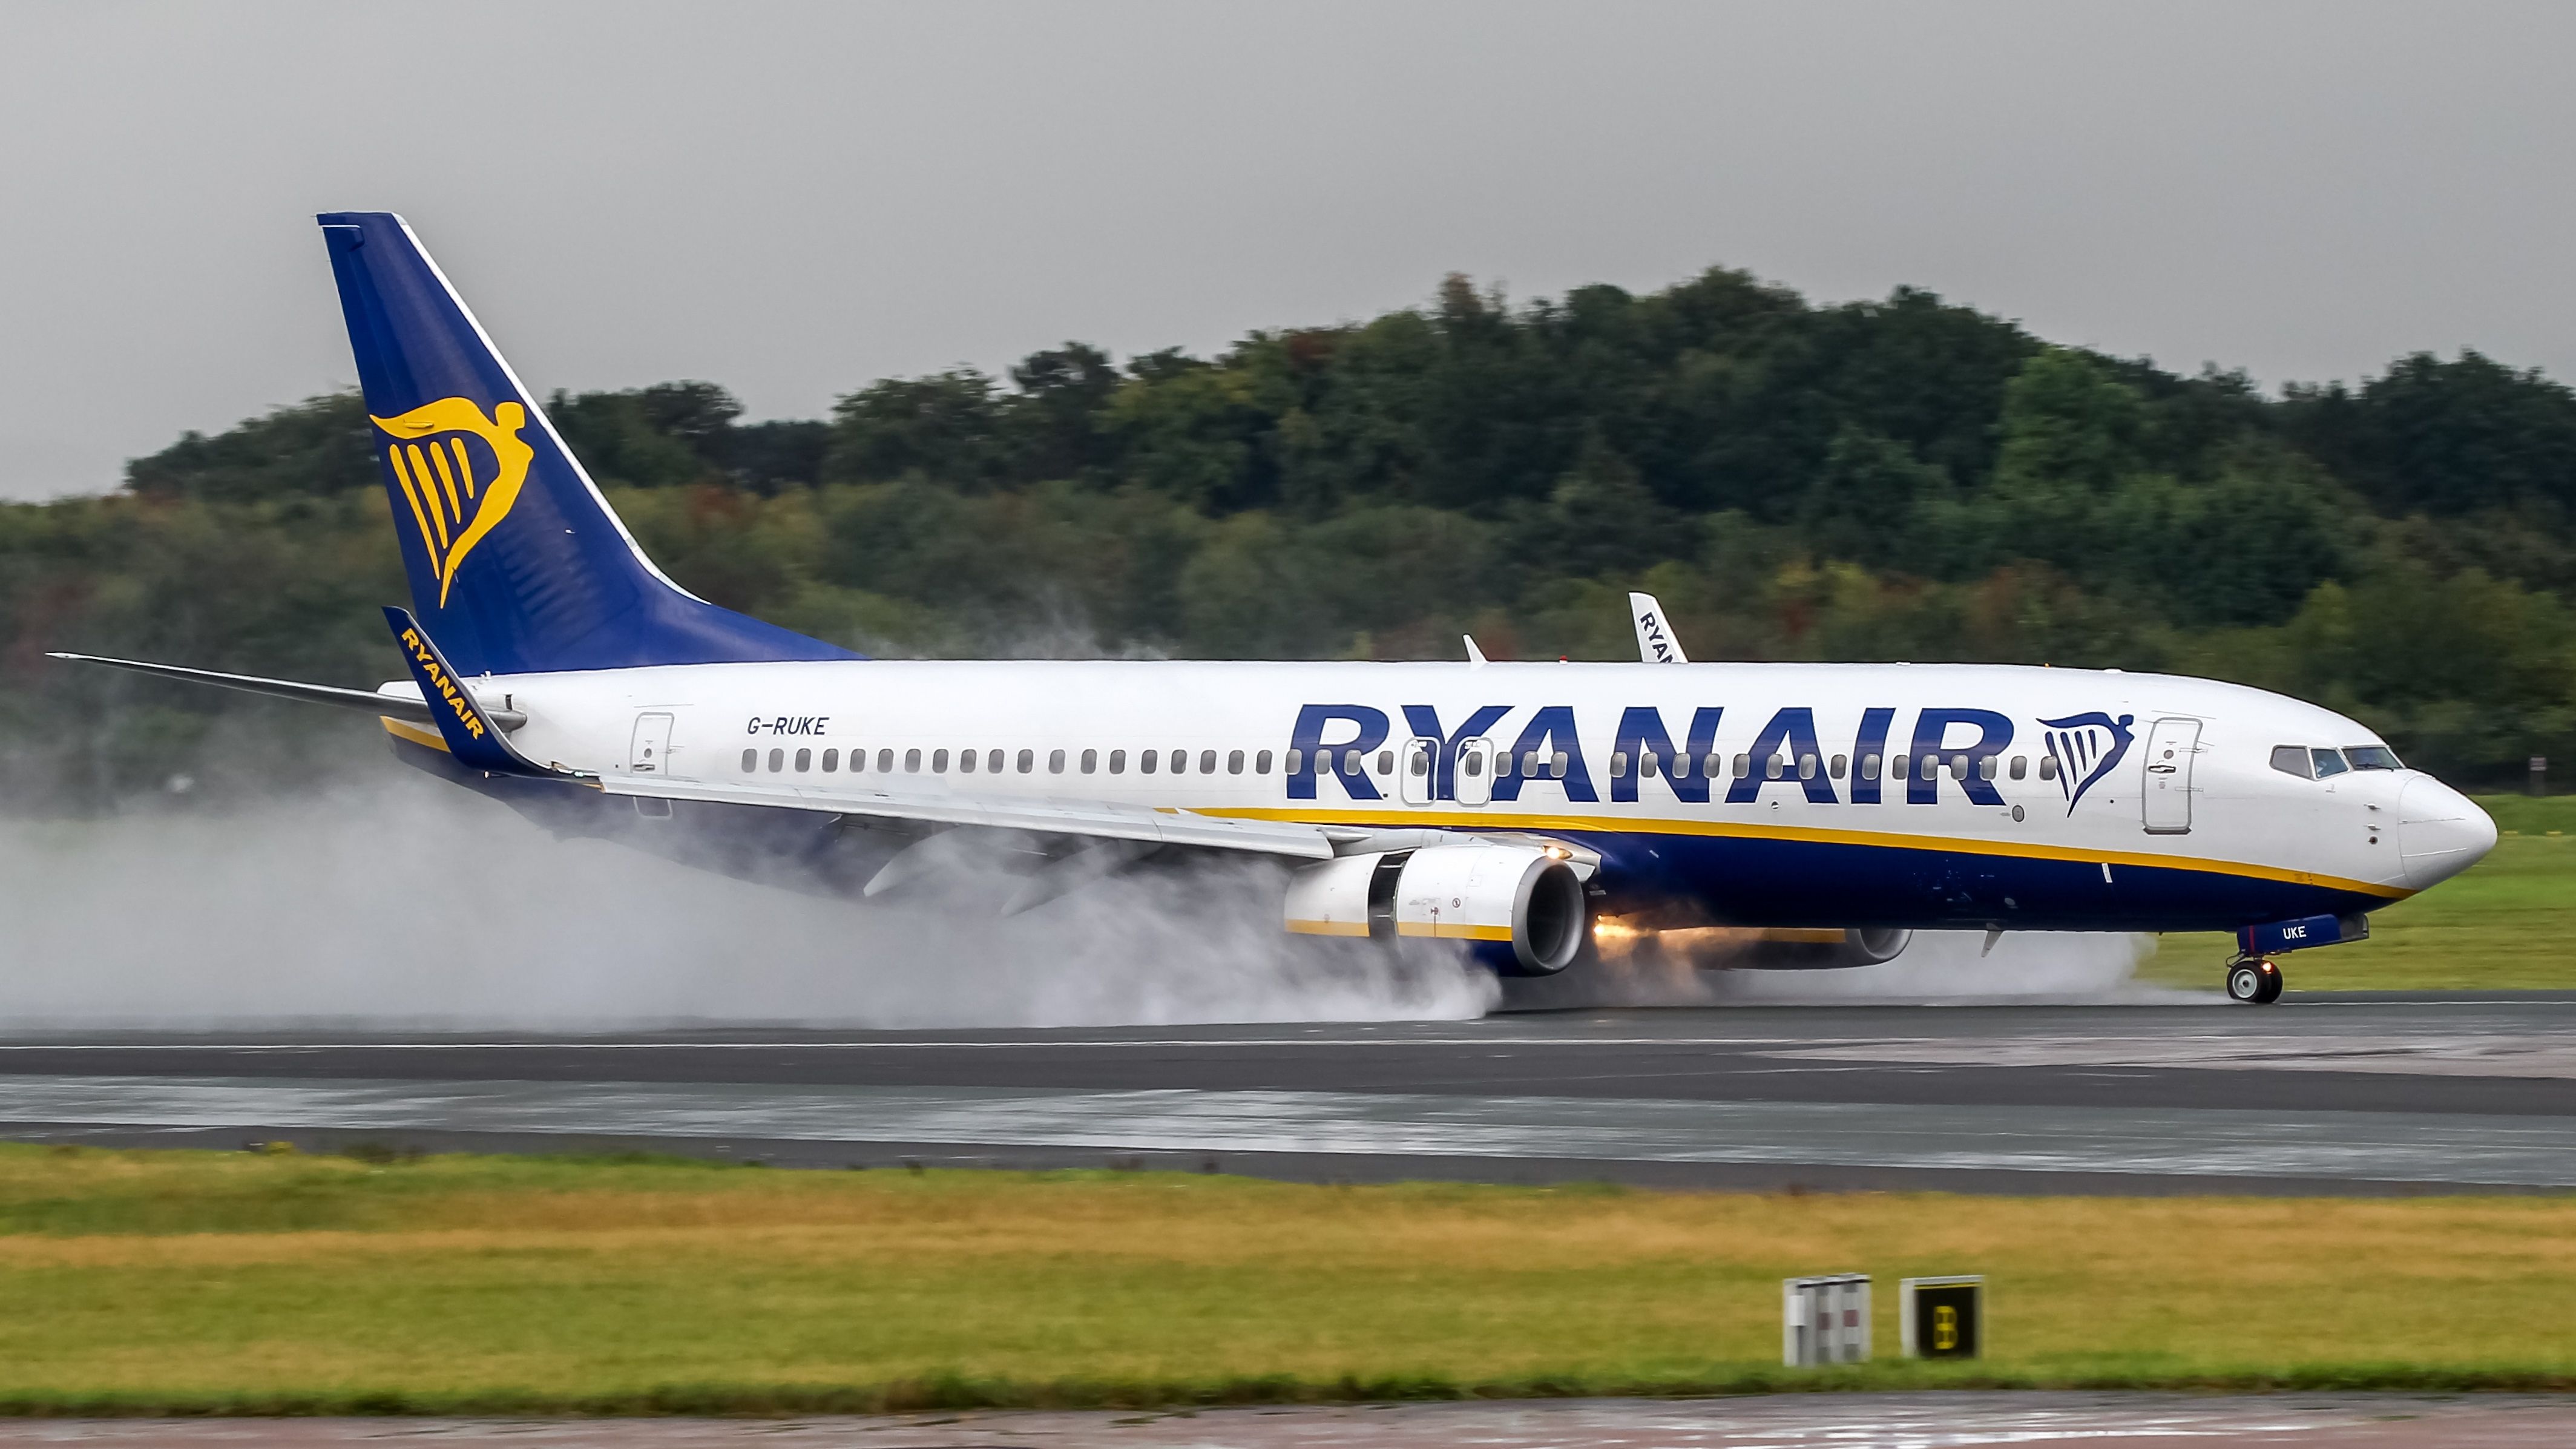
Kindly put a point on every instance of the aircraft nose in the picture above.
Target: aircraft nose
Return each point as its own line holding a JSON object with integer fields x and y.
{"x": 2440, "y": 832}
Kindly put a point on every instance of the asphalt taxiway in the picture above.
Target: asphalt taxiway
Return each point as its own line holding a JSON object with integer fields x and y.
{"x": 2319, "y": 1094}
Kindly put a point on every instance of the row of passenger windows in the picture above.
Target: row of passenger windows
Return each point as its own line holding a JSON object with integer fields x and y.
{"x": 995, "y": 762}
{"x": 2310, "y": 763}
{"x": 1532, "y": 764}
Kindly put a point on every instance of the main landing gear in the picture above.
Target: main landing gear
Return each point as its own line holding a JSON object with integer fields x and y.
{"x": 2254, "y": 980}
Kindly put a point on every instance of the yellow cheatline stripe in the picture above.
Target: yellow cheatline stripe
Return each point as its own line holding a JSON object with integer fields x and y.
{"x": 1885, "y": 840}
{"x": 1329, "y": 928}
{"x": 403, "y": 730}
{"x": 1451, "y": 932}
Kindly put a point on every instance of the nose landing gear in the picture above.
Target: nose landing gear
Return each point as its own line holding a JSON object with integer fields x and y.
{"x": 2254, "y": 980}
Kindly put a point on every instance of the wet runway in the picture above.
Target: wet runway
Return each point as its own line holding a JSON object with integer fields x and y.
{"x": 2320, "y": 1094}
{"x": 1896, "y": 1421}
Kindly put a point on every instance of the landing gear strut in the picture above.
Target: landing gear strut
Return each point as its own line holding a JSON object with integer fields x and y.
{"x": 2254, "y": 980}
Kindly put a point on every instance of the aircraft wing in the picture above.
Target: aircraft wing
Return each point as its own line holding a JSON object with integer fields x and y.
{"x": 1087, "y": 818}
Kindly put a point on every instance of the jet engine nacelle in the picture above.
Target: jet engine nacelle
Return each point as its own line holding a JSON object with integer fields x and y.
{"x": 1520, "y": 896}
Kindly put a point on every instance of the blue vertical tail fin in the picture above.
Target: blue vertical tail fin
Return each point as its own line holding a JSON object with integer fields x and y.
{"x": 516, "y": 562}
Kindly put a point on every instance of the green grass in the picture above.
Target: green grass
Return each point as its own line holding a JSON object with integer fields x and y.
{"x": 183, "y": 1282}
{"x": 2506, "y": 924}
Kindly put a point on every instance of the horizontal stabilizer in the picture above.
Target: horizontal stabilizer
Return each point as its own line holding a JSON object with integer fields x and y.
{"x": 394, "y": 705}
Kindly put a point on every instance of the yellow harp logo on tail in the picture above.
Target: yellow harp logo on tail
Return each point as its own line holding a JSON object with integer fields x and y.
{"x": 457, "y": 493}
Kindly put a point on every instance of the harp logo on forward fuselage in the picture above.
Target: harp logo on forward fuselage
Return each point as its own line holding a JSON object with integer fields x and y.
{"x": 460, "y": 471}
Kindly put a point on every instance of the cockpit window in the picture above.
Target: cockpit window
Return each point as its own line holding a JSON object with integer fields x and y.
{"x": 2291, "y": 760}
{"x": 2372, "y": 757}
{"x": 2328, "y": 763}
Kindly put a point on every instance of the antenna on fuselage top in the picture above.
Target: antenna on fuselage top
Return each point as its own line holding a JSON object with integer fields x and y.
{"x": 1475, "y": 656}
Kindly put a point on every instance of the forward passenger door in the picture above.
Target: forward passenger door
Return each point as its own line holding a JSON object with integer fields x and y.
{"x": 2171, "y": 745}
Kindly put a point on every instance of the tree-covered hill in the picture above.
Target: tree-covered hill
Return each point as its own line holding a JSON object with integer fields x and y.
{"x": 1903, "y": 479}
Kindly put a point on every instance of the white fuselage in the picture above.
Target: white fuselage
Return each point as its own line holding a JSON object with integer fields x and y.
{"x": 2043, "y": 807}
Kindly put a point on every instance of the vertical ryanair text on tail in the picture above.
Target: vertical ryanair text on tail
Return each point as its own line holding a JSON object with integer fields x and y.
{"x": 1536, "y": 815}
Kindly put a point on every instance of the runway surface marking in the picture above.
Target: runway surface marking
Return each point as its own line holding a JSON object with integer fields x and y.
{"x": 2454, "y": 1056}
{"x": 2345, "y": 1146}
{"x": 1789, "y": 1421}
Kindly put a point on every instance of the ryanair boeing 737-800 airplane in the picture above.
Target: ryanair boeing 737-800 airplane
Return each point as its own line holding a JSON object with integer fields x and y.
{"x": 1515, "y": 808}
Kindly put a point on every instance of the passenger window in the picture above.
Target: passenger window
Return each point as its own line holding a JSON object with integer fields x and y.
{"x": 1386, "y": 762}
{"x": 885, "y": 762}
{"x": 1771, "y": 767}
{"x": 912, "y": 762}
{"x": 1180, "y": 762}
{"x": 1028, "y": 761}
{"x": 1145, "y": 760}
{"x": 1743, "y": 766}
{"x": 804, "y": 761}
{"x": 831, "y": 761}
{"x": 1986, "y": 768}
{"x": 1473, "y": 765}
{"x": 1090, "y": 761}
{"x": 2048, "y": 767}
{"x": 2291, "y": 760}
{"x": 1618, "y": 764}
{"x": 1055, "y": 762}
{"x": 750, "y": 761}
{"x": 1503, "y": 765}
{"x": 1296, "y": 761}
{"x": 1839, "y": 762}
{"x": 1806, "y": 767}
{"x": 777, "y": 761}
{"x": 1207, "y": 762}
{"x": 2328, "y": 763}
{"x": 1117, "y": 762}
{"x": 2021, "y": 767}
{"x": 1645, "y": 764}
{"x": 1869, "y": 767}
{"x": 1556, "y": 767}
{"x": 1930, "y": 766}
{"x": 1896, "y": 767}
{"x": 1261, "y": 763}
{"x": 939, "y": 762}
{"x": 1419, "y": 764}
{"x": 1234, "y": 762}
{"x": 1713, "y": 766}
{"x": 965, "y": 762}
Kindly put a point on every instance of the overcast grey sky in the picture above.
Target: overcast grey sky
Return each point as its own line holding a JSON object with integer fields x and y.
{"x": 794, "y": 199}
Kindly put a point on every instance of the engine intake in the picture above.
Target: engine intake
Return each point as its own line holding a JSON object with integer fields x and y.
{"x": 1522, "y": 896}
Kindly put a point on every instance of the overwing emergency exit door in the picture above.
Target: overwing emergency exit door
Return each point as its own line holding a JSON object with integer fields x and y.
{"x": 1473, "y": 775}
{"x": 2171, "y": 744}
{"x": 652, "y": 746}
{"x": 1416, "y": 782}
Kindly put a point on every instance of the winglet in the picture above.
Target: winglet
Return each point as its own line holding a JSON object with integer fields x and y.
{"x": 1475, "y": 656}
{"x": 1655, "y": 641}
{"x": 472, "y": 736}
